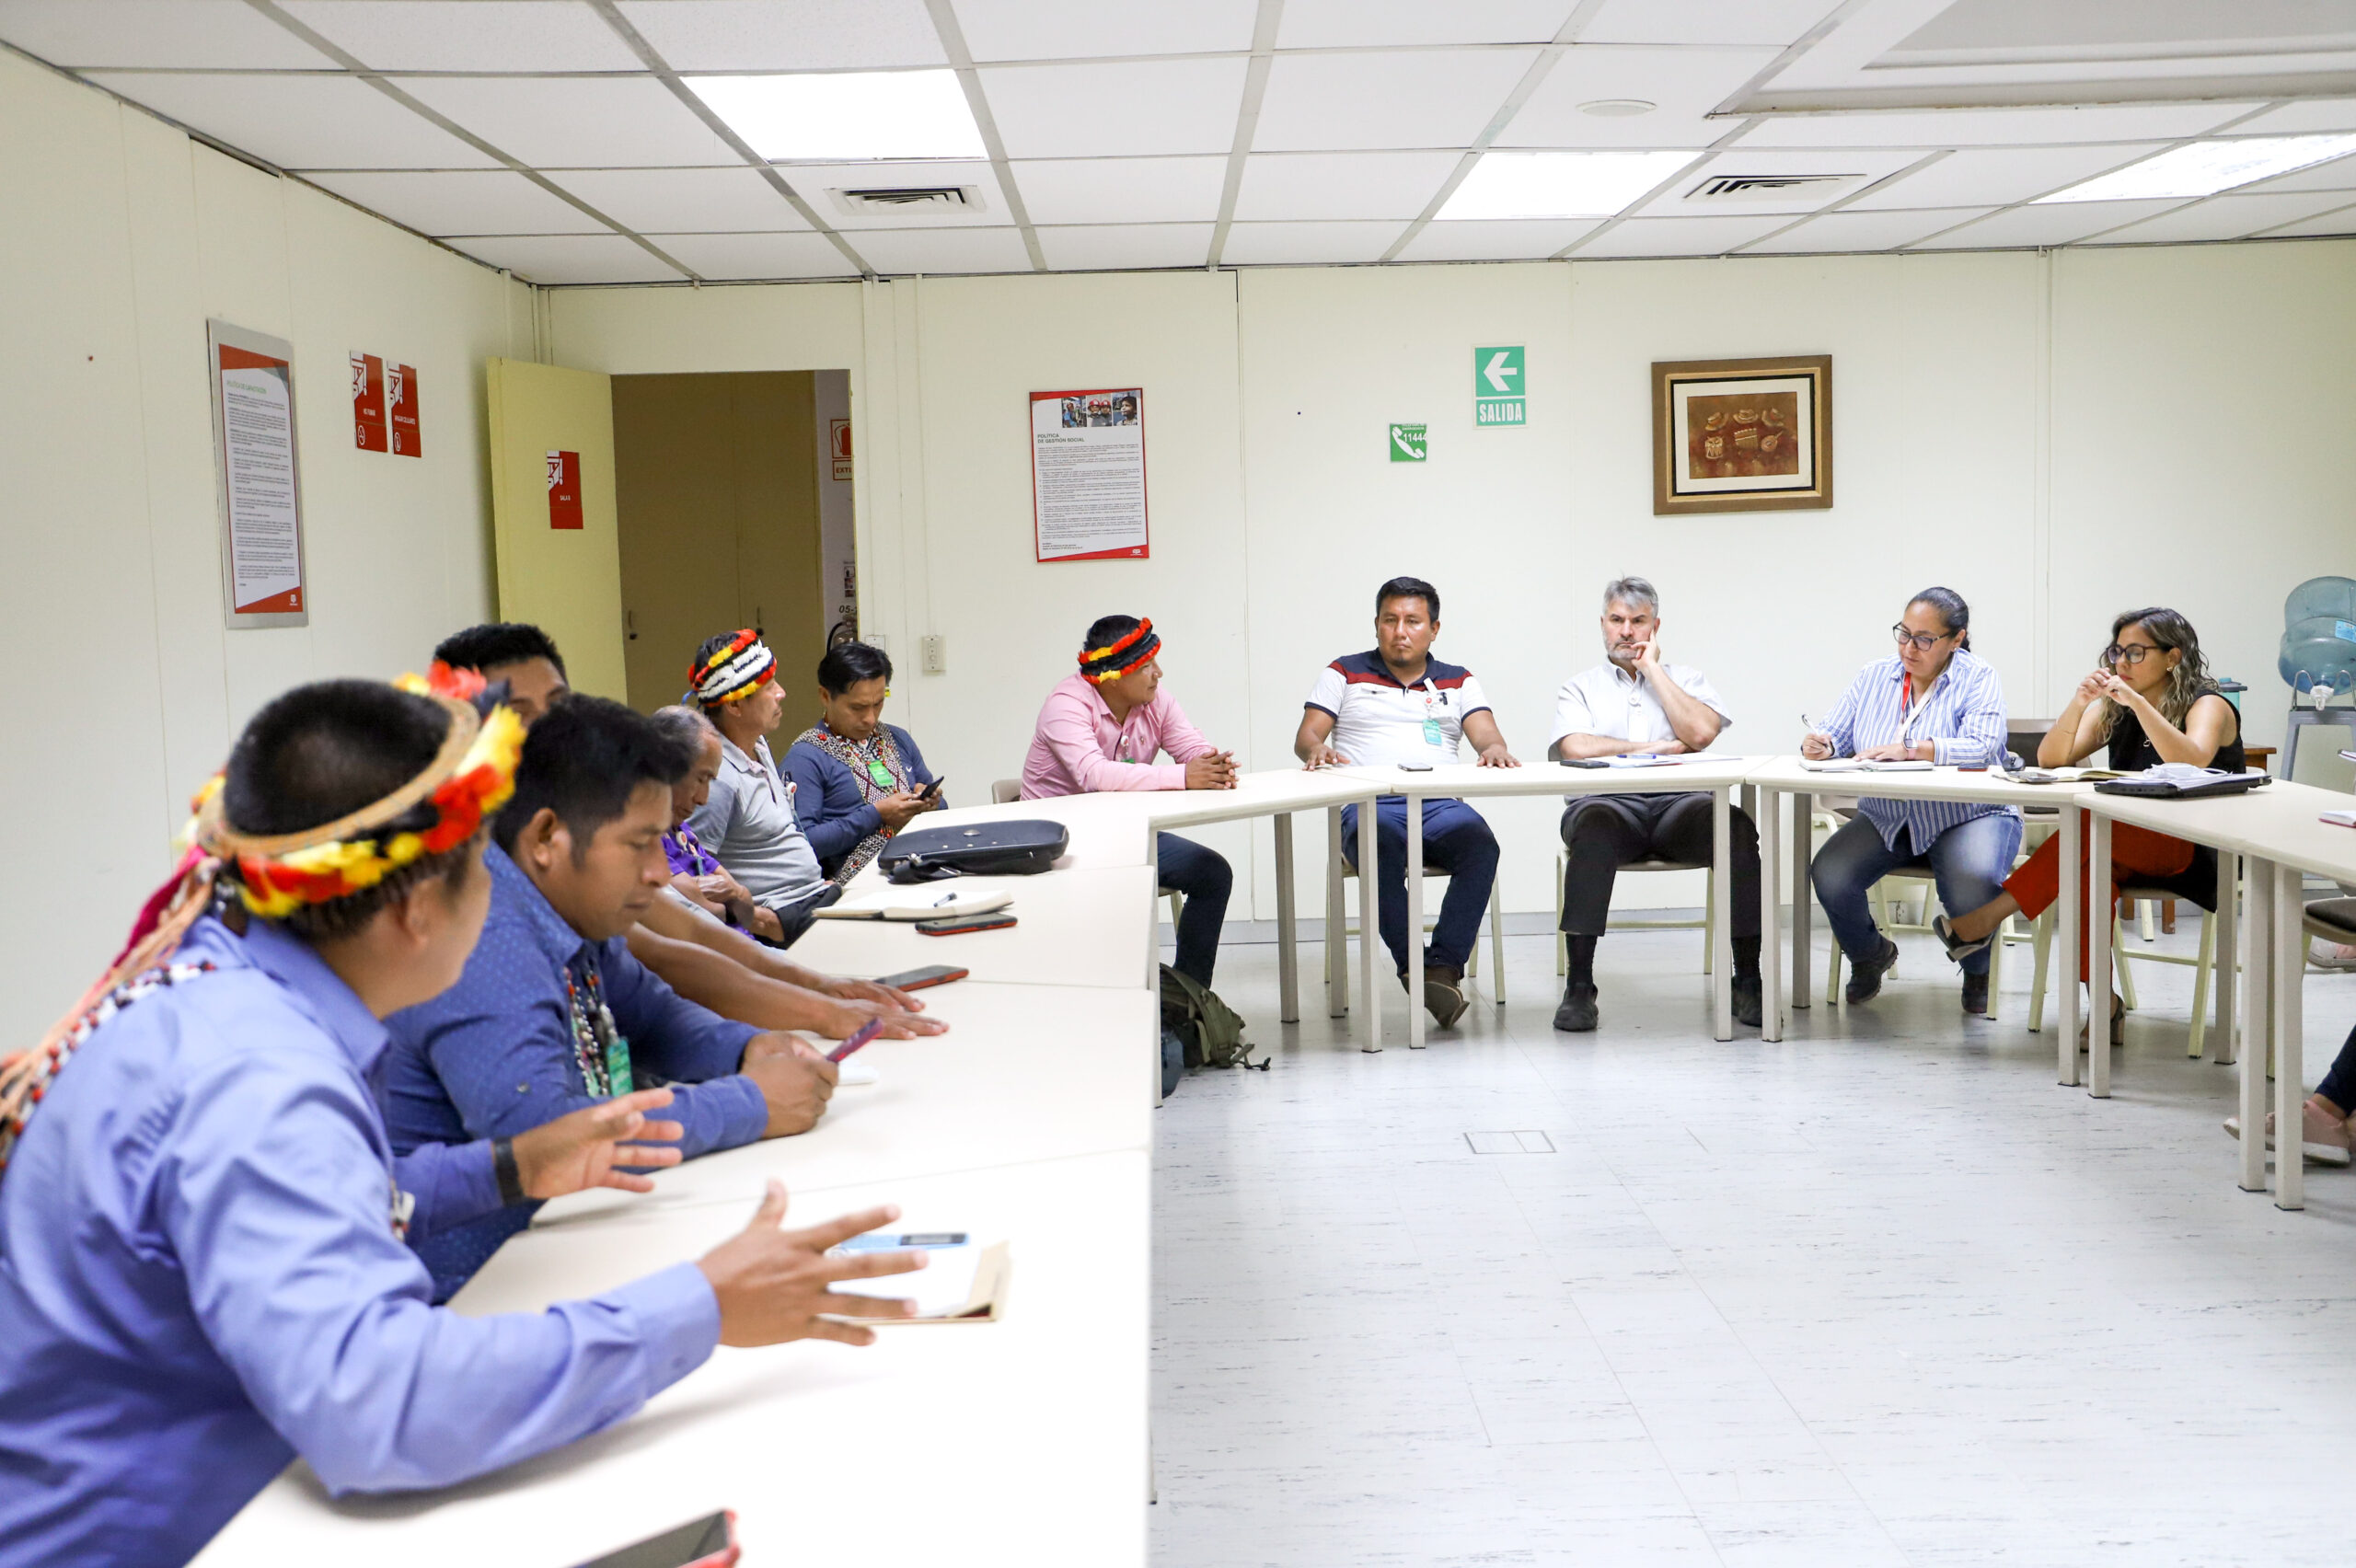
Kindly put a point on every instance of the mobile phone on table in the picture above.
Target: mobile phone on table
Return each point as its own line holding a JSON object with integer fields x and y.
{"x": 917, "y": 979}
{"x": 1580, "y": 762}
{"x": 1415, "y": 767}
{"x": 933, "y": 790}
{"x": 952, "y": 925}
{"x": 858, "y": 1037}
{"x": 707, "y": 1542}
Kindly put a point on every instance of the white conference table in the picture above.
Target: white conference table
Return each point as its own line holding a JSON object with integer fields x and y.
{"x": 1787, "y": 775}
{"x": 2277, "y": 831}
{"x": 1717, "y": 777}
{"x": 1024, "y": 1438}
{"x": 1019, "y": 1075}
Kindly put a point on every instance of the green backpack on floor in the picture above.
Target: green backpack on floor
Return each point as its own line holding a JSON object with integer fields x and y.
{"x": 1211, "y": 1031}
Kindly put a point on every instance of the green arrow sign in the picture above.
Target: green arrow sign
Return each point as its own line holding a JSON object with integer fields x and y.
{"x": 1500, "y": 393}
{"x": 1407, "y": 444}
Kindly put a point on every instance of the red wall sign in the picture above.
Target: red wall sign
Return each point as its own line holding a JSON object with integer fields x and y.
{"x": 838, "y": 441}
{"x": 564, "y": 489}
{"x": 400, "y": 410}
{"x": 368, "y": 402}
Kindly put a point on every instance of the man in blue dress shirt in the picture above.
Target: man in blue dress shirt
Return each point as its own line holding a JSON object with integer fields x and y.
{"x": 202, "y": 1270}
{"x": 553, "y": 1014}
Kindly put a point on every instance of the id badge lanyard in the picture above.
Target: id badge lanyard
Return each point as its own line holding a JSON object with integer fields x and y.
{"x": 1909, "y": 710}
{"x": 1434, "y": 736}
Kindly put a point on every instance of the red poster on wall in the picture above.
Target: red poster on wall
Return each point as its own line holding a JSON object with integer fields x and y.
{"x": 564, "y": 489}
{"x": 400, "y": 410}
{"x": 839, "y": 443}
{"x": 369, "y": 403}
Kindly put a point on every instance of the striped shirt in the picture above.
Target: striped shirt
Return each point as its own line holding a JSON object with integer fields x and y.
{"x": 1962, "y": 716}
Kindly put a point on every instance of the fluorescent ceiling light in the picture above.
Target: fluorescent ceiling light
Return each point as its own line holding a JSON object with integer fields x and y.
{"x": 1559, "y": 185}
{"x": 849, "y": 117}
{"x": 2206, "y": 167}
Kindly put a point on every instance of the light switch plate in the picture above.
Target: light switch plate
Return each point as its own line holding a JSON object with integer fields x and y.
{"x": 936, "y": 655}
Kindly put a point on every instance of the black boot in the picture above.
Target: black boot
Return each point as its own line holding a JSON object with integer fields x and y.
{"x": 1578, "y": 1014}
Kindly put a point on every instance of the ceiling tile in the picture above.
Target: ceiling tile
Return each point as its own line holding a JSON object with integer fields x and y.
{"x": 1686, "y": 85}
{"x": 1870, "y": 163}
{"x": 1992, "y": 127}
{"x": 1679, "y": 236}
{"x": 194, "y": 35}
{"x": 1278, "y": 185}
{"x": 1070, "y": 30}
{"x": 1849, "y": 229}
{"x": 2340, "y": 174}
{"x": 461, "y": 201}
{"x": 571, "y": 258}
{"x": 332, "y": 121}
{"x": 2056, "y": 222}
{"x": 737, "y": 256}
{"x": 786, "y": 35}
{"x": 575, "y": 121}
{"x": 468, "y": 35}
{"x": 816, "y": 183}
{"x": 1162, "y": 105}
{"x": 1995, "y": 176}
{"x": 684, "y": 201}
{"x": 1776, "y": 22}
{"x": 2228, "y": 217}
{"x": 2310, "y": 114}
{"x": 1408, "y": 98}
{"x": 1482, "y": 239}
{"x": 1349, "y": 24}
{"x": 1112, "y": 247}
{"x": 1091, "y": 191}
{"x": 2341, "y": 221}
{"x": 943, "y": 250}
{"x": 1274, "y": 244}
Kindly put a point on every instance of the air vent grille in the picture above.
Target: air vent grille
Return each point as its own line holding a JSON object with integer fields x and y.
{"x": 1759, "y": 190}
{"x": 910, "y": 199}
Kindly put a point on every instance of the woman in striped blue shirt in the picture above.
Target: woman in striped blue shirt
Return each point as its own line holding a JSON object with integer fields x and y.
{"x": 1936, "y": 701}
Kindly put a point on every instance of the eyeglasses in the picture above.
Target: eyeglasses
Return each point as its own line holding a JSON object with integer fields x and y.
{"x": 1924, "y": 641}
{"x": 2128, "y": 652}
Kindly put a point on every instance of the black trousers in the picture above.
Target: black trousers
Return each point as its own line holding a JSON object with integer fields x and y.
{"x": 1603, "y": 832}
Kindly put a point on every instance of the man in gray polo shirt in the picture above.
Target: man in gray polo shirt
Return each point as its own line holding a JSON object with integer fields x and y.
{"x": 748, "y": 820}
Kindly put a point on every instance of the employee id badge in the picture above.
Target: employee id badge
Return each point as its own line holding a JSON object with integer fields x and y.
{"x": 1433, "y": 736}
{"x": 881, "y": 777}
{"x": 618, "y": 1074}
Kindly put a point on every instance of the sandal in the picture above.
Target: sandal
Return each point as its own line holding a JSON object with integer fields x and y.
{"x": 2118, "y": 1026}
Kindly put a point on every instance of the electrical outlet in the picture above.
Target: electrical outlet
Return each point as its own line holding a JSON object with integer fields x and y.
{"x": 936, "y": 655}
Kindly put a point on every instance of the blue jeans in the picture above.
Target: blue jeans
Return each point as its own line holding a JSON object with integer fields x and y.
{"x": 1204, "y": 877}
{"x": 1456, "y": 840}
{"x": 1970, "y": 861}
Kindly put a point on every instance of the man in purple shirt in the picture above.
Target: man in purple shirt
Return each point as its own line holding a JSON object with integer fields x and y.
{"x": 553, "y": 1013}
{"x": 202, "y": 1270}
{"x": 1101, "y": 729}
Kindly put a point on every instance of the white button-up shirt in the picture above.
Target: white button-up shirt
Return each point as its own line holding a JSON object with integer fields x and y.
{"x": 1615, "y": 705}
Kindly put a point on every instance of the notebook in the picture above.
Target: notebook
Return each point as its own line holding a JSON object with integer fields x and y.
{"x": 965, "y": 1282}
{"x": 1859, "y": 765}
{"x": 926, "y": 901}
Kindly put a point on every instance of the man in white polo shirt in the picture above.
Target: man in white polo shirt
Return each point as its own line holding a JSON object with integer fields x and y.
{"x": 1635, "y": 703}
{"x": 1396, "y": 704}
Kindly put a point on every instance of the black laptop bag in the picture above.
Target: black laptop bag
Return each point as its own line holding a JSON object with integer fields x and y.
{"x": 983, "y": 849}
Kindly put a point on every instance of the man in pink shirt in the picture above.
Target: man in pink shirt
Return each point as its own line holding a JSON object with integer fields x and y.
{"x": 1101, "y": 729}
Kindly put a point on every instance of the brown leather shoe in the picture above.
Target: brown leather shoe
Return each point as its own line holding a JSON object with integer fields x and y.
{"x": 1444, "y": 996}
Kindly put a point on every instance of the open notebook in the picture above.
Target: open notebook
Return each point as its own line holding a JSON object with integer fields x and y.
{"x": 1859, "y": 765}
{"x": 964, "y": 1283}
{"x": 926, "y": 901}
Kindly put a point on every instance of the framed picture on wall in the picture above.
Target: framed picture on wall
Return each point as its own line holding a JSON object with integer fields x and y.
{"x": 1742, "y": 435}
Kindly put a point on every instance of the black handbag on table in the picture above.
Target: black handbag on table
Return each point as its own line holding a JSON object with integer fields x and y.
{"x": 983, "y": 849}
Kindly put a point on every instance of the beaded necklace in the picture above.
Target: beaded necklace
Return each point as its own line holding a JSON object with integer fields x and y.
{"x": 599, "y": 1048}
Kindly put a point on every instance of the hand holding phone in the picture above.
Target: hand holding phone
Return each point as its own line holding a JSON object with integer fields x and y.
{"x": 932, "y": 792}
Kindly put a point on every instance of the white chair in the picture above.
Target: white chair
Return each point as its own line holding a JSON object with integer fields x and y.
{"x": 2203, "y": 964}
{"x": 1337, "y": 962}
{"x": 1707, "y": 924}
{"x": 1006, "y": 792}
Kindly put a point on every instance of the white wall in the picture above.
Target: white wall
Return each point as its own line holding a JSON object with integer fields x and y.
{"x": 122, "y": 236}
{"x": 2055, "y": 436}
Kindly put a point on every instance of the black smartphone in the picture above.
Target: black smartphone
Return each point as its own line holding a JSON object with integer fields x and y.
{"x": 933, "y": 790}
{"x": 707, "y": 1542}
{"x": 1580, "y": 762}
{"x": 917, "y": 979}
{"x": 954, "y": 924}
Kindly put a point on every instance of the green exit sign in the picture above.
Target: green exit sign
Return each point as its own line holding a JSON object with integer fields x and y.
{"x": 1408, "y": 444}
{"x": 1499, "y": 394}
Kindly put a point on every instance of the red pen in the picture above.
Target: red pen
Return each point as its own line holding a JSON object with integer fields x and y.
{"x": 860, "y": 1036}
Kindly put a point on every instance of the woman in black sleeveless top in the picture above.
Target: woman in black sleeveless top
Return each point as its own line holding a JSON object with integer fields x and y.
{"x": 2151, "y": 701}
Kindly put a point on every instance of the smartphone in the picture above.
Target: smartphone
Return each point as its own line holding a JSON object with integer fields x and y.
{"x": 707, "y": 1542}
{"x": 1580, "y": 762}
{"x": 858, "y": 1037}
{"x": 933, "y": 790}
{"x": 954, "y": 923}
{"x": 1415, "y": 767}
{"x": 917, "y": 979}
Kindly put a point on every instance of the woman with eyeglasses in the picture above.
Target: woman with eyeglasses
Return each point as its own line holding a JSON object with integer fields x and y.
{"x": 2150, "y": 700}
{"x": 1935, "y": 701}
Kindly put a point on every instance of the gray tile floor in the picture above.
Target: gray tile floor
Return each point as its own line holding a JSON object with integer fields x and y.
{"x": 1882, "y": 1293}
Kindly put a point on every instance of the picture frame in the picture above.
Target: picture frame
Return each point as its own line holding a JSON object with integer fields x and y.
{"x": 1742, "y": 434}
